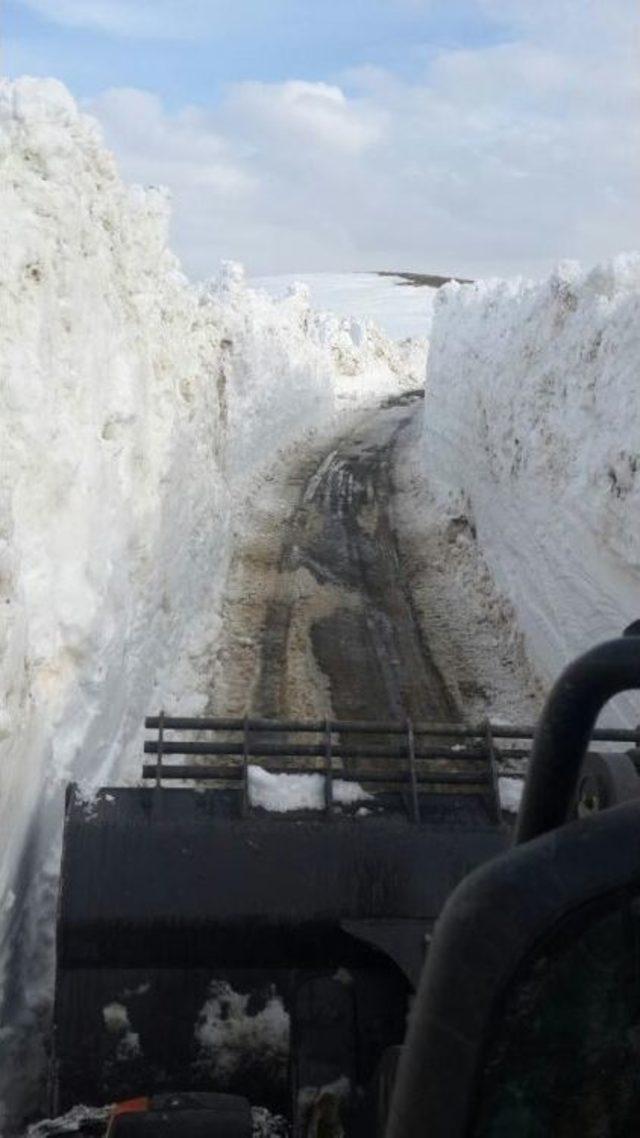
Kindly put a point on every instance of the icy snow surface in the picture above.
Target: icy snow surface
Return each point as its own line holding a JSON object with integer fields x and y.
{"x": 532, "y": 443}
{"x": 136, "y": 413}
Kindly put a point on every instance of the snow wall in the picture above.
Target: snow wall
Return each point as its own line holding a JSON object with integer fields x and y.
{"x": 532, "y": 429}
{"x": 135, "y": 410}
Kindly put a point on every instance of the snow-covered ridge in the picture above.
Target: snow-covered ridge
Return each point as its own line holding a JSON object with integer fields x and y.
{"x": 135, "y": 410}
{"x": 402, "y": 310}
{"x": 532, "y": 431}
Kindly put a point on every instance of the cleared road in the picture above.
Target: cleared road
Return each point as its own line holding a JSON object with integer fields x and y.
{"x": 356, "y": 609}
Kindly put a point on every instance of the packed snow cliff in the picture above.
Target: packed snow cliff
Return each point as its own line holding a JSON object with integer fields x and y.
{"x": 532, "y": 435}
{"x": 135, "y": 411}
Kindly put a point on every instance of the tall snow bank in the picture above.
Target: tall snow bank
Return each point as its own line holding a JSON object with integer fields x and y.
{"x": 133, "y": 407}
{"x": 284, "y": 366}
{"x": 532, "y": 430}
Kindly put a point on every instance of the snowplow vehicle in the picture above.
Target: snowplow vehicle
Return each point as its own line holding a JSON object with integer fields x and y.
{"x": 391, "y": 962}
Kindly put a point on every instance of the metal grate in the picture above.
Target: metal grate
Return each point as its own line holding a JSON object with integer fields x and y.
{"x": 413, "y": 759}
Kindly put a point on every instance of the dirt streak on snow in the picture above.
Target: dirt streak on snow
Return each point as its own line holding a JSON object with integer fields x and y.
{"x": 470, "y": 624}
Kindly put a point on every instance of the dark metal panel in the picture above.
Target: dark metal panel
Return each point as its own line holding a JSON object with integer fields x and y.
{"x": 404, "y": 942}
{"x": 164, "y": 878}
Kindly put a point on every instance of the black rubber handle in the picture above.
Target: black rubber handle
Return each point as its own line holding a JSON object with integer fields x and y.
{"x": 565, "y": 728}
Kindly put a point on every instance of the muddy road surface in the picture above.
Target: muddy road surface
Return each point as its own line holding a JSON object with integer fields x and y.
{"x": 361, "y": 628}
{"x": 322, "y": 622}
{"x": 320, "y": 619}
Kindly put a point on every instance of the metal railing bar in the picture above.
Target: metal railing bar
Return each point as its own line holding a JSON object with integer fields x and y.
{"x": 494, "y": 804}
{"x": 328, "y": 770}
{"x": 160, "y": 750}
{"x": 203, "y": 773}
{"x": 415, "y": 803}
{"x": 245, "y": 769}
{"x": 368, "y": 726}
{"x": 187, "y": 747}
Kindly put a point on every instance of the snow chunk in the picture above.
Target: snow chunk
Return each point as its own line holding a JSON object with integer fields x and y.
{"x": 72, "y": 1122}
{"x": 347, "y": 792}
{"x": 231, "y": 1034}
{"x": 322, "y": 1106}
{"x": 510, "y": 791}
{"x": 283, "y": 792}
{"x": 267, "y": 1125}
{"x": 116, "y": 1017}
{"x": 129, "y": 1047}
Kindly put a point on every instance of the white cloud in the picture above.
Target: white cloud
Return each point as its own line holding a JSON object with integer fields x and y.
{"x": 502, "y": 159}
{"x": 202, "y": 20}
{"x": 181, "y": 150}
{"x": 313, "y": 114}
{"x": 155, "y": 19}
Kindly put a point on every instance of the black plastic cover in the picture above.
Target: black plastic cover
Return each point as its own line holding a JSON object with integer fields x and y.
{"x": 498, "y": 930}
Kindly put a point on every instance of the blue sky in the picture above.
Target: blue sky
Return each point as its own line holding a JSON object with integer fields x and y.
{"x": 466, "y": 136}
{"x": 189, "y": 52}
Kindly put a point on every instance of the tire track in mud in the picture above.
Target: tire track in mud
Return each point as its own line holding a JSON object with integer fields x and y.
{"x": 340, "y": 595}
